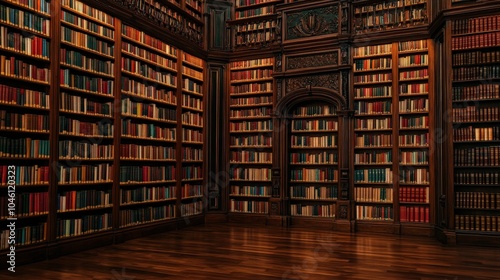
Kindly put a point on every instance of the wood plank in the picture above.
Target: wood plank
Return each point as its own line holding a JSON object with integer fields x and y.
{"x": 229, "y": 251}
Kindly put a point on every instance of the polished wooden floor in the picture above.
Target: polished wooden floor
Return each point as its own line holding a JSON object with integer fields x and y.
{"x": 245, "y": 252}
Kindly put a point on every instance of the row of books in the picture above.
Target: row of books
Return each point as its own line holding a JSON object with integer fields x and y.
{"x": 371, "y": 141}
{"x": 252, "y": 140}
{"x": 129, "y": 217}
{"x": 86, "y": 41}
{"x": 414, "y": 105}
{"x": 326, "y": 141}
{"x": 373, "y": 50}
{"x": 192, "y": 86}
{"x": 259, "y": 26}
{"x": 255, "y": 12}
{"x": 192, "y": 72}
{"x": 82, "y": 105}
{"x": 89, "y": 11}
{"x": 390, "y": 18}
{"x": 247, "y": 156}
{"x": 148, "y": 90}
{"x": 190, "y": 118}
{"x": 148, "y": 40}
{"x": 313, "y": 210}
{"x": 190, "y": 153}
{"x": 251, "y": 74}
{"x": 191, "y": 191}
{"x": 414, "y": 176}
{"x": 147, "y": 131}
{"x": 24, "y": 97}
{"x": 96, "y": 173}
{"x": 477, "y": 200}
{"x": 477, "y": 156}
{"x": 373, "y": 64}
{"x": 87, "y": 25}
{"x": 417, "y": 45}
{"x": 373, "y": 194}
{"x": 191, "y": 102}
{"x": 314, "y": 125}
{"x": 314, "y": 175}
{"x": 255, "y": 37}
{"x": 250, "y": 190}
{"x": 133, "y": 174}
{"x": 24, "y": 43}
{"x": 252, "y": 87}
{"x": 243, "y": 3}
{"x": 41, "y": 6}
{"x": 24, "y": 147}
{"x": 258, "y": 100}
{"x": 315, "y": 157}
{"x": 250, "y": 174}
{"x": 470, "y": 177}
{"x": 369, "y": 157}
{"x": 26, "y": 235}
{"x": 476, "y": 72}
{"x": 414, "y": 60}
{"x": 418, "y": 214}
{"x": 26, "y": 204}
{"x": 249, "y": 113}
{"x": 14, "y": 67}
{"x": 476, "y": 92}
{"x": 244, "y": 206}
{"x": 193, "y": 208}
{"x": 84, "y": 199}
{"x": 145, "y": 194}
{"x": 383, "y": 77}
{"x": 415, "y": 74}
{"x": 470, "y": 133}
{"x": 251, "y": 63}
{"x": 75, "y": 150}
{"x": 414, "y": 122}
{"x": 477, "y": 222}
{"x": 146, "y": 152}
{"x": 368, "y": 212}
{"x": 152, "y": 110}
{"x": 376, "y": 107}
{"x": 84, "y": 225}
{"x": 414, "y": 194}
{"x": 373, "y": 124}
{"x": 192, "y": 172}
{"x": 90, "y": 84}
{"x": 374, "y": 175}
{"x": 79, "y": 60}
{"x": 388, "y": 5}
{"x": 475, "y": 24}
{"x": 151, "y": 72}
{"x": 414, "y": 157}
{"x": 314, "y": 192}
{"x": 475, "y": 41}
{"x": 157, "y": 59}
{"x": 251, "y": 126}
{"x": 314, "y": 110}
{"x": 70, "y": 126}
{"x": 475, "y": 57}
{"x": 24, "y": 175}
{"x": 189, "y": 135}
{"x": 413, "y": 88}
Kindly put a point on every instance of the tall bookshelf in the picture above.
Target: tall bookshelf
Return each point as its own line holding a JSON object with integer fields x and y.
{"x": 372, "y": 16}
{"x": 393, "y": 166}
{"x": 476, "y": 133}
{"x": 414, "y": 141}
{"x": 373, "y": 132}
{"x": 25, "y": 134}
{"x": 250, "y": 132}
{"x": 192, "y": 119}
{"x": 148, "y": 150}
{"x": 86, "y": 121}
{"x": 313, "y": 156}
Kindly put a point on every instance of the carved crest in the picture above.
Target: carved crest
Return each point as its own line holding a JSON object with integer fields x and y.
{"x": 313, "y": 22}
{"x": 310, "y": 25}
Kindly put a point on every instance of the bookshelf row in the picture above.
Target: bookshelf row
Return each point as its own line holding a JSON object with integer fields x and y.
{"x": 475, "y": 114}
{"x": 109, "y": 100}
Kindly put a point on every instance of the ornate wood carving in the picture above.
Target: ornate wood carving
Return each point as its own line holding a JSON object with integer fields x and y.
{"x": 344, "y": 54}
{"x": 345, "y": 89}
{"x": 278, "y": 63}
{"x": 315, "y": 60}
{"x": 279, "y": 90}
{"x": 344, "y": 22}
{"x": 342, "y": 212}
{"x": 156, "y": 15}
{"x": 312, "y": 22}
{"x": 330, "y": 81}
{"x": 275, "y": 209}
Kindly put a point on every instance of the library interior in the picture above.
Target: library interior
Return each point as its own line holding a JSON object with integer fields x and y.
{"x": 250, "y": 139}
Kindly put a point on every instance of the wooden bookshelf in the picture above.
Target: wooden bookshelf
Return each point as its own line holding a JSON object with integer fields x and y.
{"x": 372, "y": 16}
{"x": 25, "y": 104}
{"x": 476, "y": 133}
{"x": 393, "y": 165}
{"x": 313, "y": 155}
{"x": 250, "y": 133}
